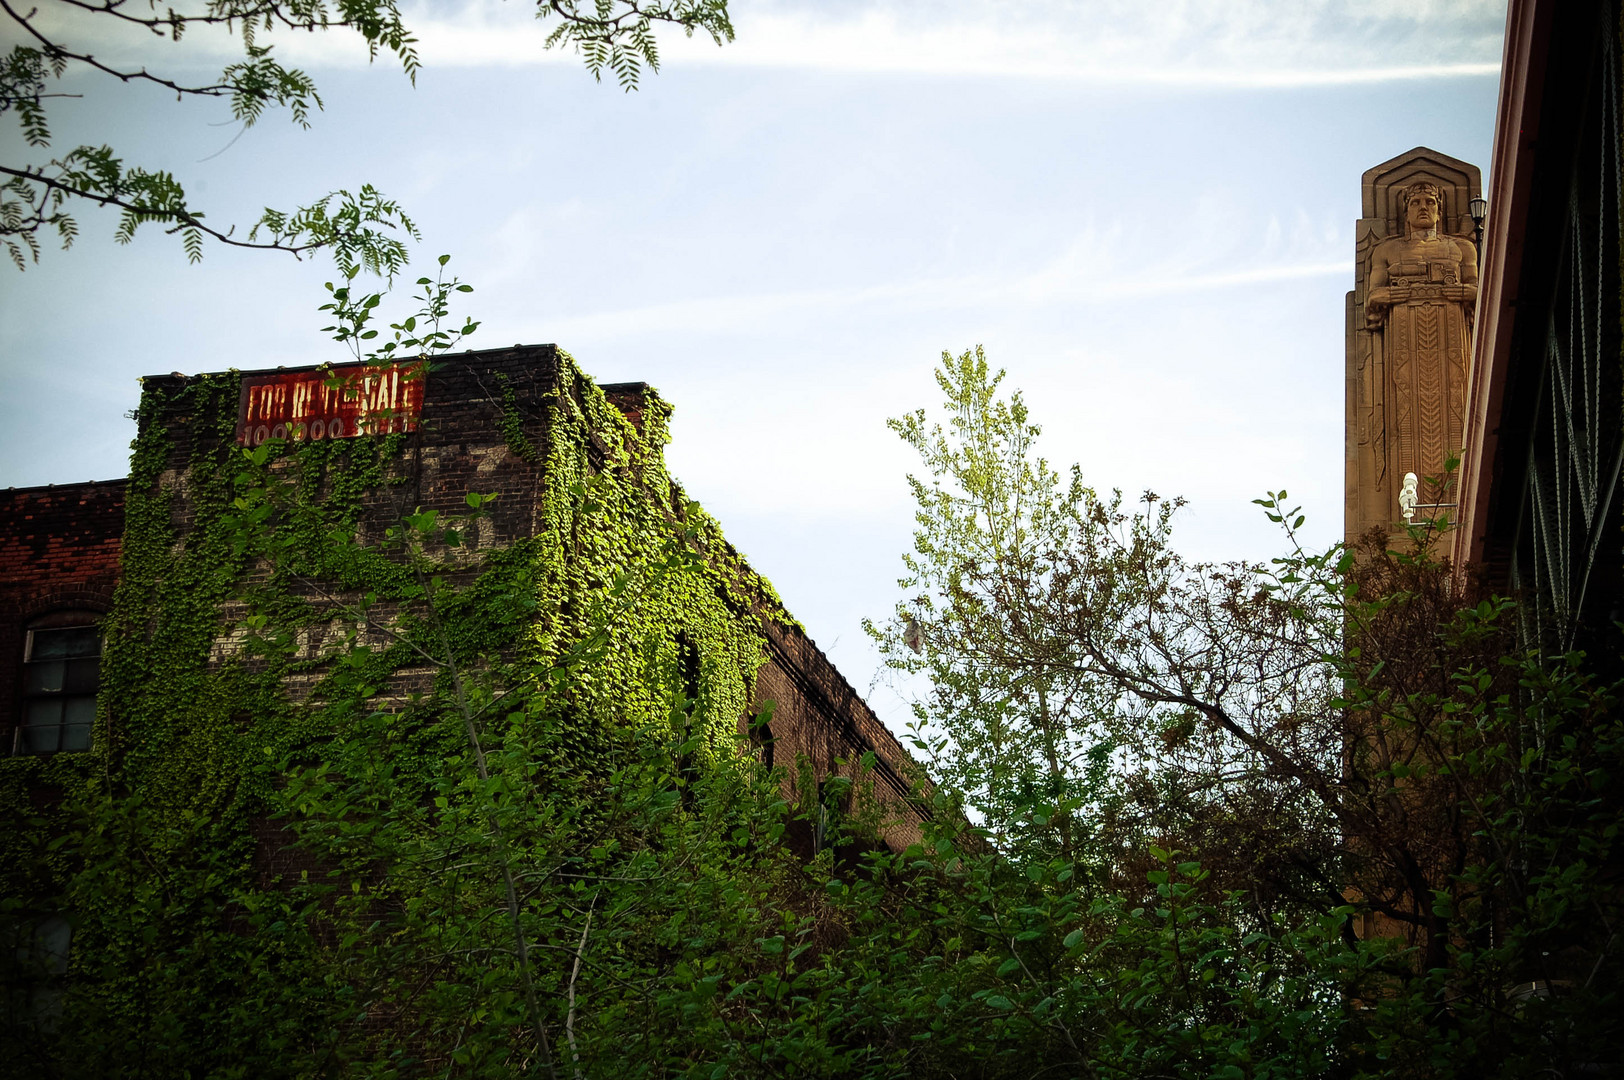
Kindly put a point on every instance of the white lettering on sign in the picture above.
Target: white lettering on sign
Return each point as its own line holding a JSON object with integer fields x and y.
{"x": 330, "y": 403}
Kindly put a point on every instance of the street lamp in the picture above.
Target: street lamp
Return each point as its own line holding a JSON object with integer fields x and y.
{"x": 1478, "y": 208}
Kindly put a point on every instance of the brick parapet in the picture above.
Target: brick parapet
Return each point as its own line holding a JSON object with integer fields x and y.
{"x": 61, "y": 533}
{"x": 459, "y": 445}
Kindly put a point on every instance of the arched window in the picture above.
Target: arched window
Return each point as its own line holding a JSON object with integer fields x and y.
{"x": 61, "y": 670}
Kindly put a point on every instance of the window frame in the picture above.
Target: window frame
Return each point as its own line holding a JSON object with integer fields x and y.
{"x": 72, "y": 619}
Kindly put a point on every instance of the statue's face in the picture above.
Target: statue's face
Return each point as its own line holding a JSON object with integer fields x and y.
{"x": 1423, "y": 211}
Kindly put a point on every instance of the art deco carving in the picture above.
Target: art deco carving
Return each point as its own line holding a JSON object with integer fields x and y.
{"x": 1409, "y": 333}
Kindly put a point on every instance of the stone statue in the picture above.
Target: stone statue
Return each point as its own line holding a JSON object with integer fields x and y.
{"x": 1409, "y": 334}
{"x": 1423, "y": 267}
{"x": 1423, "y": 292}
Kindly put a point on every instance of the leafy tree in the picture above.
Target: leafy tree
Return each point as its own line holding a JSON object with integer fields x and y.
{"x": 361, "y": 227}
{"x": 1008, "y": 725}
{"x": 1352, "y": 741}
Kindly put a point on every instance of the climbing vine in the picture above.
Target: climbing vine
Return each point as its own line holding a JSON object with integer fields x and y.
{"x": 317, "y": 697}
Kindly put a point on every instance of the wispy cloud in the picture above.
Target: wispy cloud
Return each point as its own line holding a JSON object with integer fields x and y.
{"x": 1237, "y": 44}
{"x": 1240, "y": 45}
{"x": 1057, "y": 283}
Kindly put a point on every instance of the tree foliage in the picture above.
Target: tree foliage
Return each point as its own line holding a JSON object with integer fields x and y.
{"x": 1332, "y": 735}
{"x": 60, "y": 40}
{"x": 995, "y": 526}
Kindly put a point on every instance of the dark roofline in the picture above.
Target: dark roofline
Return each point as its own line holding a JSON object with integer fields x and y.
{"x": 71, "y": 484}
{"x": 329, "y": 363}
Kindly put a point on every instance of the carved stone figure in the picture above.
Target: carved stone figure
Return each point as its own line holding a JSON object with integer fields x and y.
{"x": 1423, "y": 290}
{"x": 1409, "y": 334}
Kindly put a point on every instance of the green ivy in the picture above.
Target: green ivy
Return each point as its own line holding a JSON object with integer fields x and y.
{"x": 229, "y": 670}
{"x": 512, "y": 425}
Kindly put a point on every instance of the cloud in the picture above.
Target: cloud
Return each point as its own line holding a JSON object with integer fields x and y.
{"x": 1239, "y": 44}
{"x": 1063, "y": 281}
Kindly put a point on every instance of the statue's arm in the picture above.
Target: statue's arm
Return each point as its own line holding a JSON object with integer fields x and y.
{"x": 1468, "y": 270}
{"x": 1378, "y": 297}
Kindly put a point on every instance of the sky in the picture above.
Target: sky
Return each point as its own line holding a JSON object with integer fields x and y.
{"x": 1144, "y": 213}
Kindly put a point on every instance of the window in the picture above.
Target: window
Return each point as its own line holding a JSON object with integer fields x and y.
{"x": 61, "y": 667}
{"x": 40, "y": 954}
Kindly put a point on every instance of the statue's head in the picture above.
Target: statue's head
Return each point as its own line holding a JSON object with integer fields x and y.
{"x": 1423, "y": 206}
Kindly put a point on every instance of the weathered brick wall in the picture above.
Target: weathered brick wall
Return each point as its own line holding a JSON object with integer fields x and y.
{"x": 819, "y": 716}
{"x": 59, "y": 551}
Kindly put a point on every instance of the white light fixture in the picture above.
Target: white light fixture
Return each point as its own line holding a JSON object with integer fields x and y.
{"x": 1408, "y": 496}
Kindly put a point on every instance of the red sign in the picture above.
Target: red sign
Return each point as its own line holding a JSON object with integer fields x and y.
{"x": 330, "y": 403}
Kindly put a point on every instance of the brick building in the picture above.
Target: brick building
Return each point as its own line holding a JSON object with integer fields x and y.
{"x": 473, "y": 424}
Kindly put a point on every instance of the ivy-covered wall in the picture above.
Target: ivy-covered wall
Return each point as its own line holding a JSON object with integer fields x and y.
{"x": 582, "y": 495}
{"x": 232, "y": 650}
